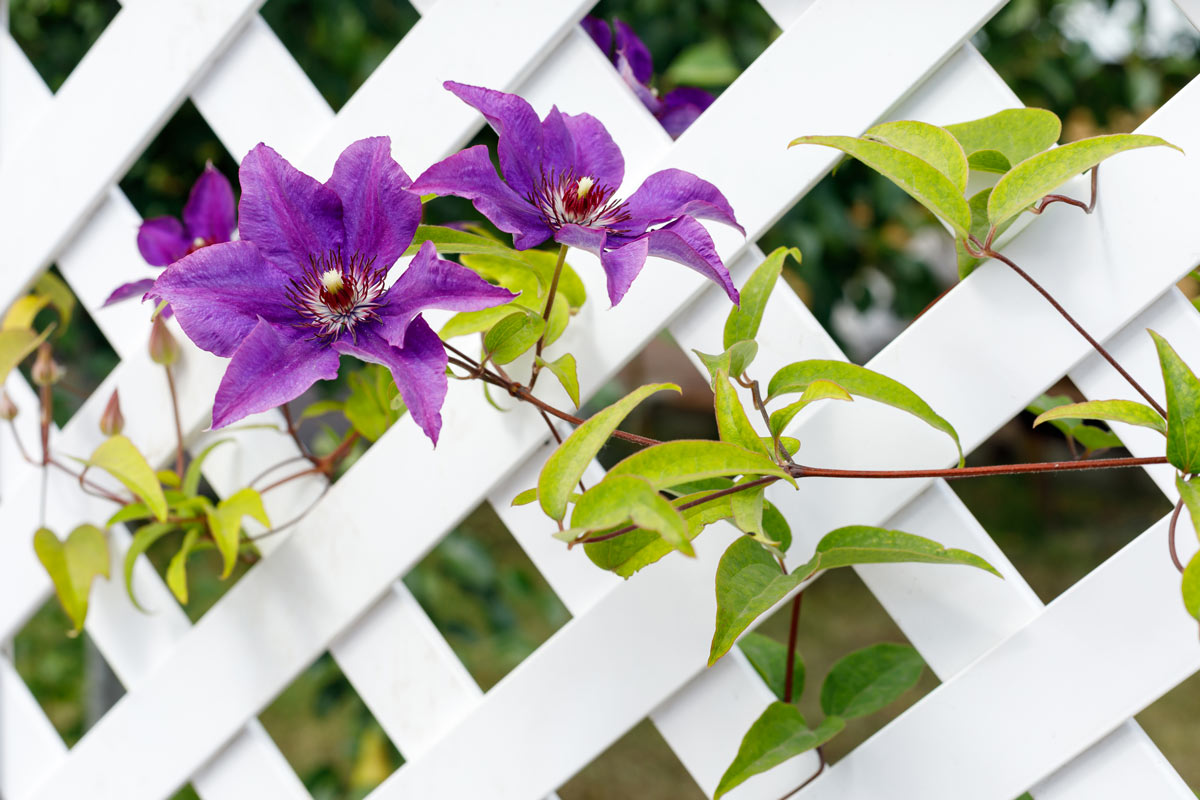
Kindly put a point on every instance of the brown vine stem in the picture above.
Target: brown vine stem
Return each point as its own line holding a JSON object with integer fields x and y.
{"x": 178, "y": 423}
{"x": 541, "y": 342}
{"x": 811, "y": 778}
{"x": 1171, "y": 535}
{"x": 790, "y": 665}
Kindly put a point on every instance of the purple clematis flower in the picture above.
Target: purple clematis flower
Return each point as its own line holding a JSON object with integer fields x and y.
{"x": 209, "y": 217}
{"x": 678, "y": 108}
{"x": 306, "y": 284}
{"x": 561, "y": 175}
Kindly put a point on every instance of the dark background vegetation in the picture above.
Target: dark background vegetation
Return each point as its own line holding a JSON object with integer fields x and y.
{"x": 872, "y": 260}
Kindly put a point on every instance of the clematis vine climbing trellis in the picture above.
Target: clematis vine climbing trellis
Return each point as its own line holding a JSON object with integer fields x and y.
{"x": 1080, "y": 667}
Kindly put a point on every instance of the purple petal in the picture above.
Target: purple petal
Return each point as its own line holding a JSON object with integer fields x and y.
{"x": 682, "y": 107}
{"x": 592, "y": 240}
{"x": 600, "y": 32}
{"x": 634, "y": 51}
{"x": 470, "y": 174}
{"x": 622, "y": 265}
{"x": 219, "y": 293}
{"x": 642, "y": 91}
{"x": 162, "y": 240}
{"x": 274, "y": 364}
{"x": 430, "y": 282}
{"x": 596, "y": 154}
{"x": 419, "y": 369}
{"x": 379, "y": 213}
{"x": 289, "y": 215}
{"x": 687, "y": 242}
{"x": 210, "y": 213}
{"x": 128, "y": 290}
{"x": 558, "y": 147}
{"x": 520, "y": 132}
{"x": 688, "y": 96}
{"x": 673, "y": 193}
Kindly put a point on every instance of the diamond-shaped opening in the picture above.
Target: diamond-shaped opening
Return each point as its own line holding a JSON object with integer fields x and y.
{"x": 840, "y": 616}
{"x": 1057, "y": 527}
{"x": 1171, "y": 723}
{"x": 328, "y": 734}
{"x": 56, "y": 34}
{"x": 186, "y": 793}
{"x": 486, "y": 597}
{"x": 1102, "y": 67}
{"x": 66, "y": 674}
{"x": 339, "y": 44}
{"x": 704, "y": 49}
{"x": 81, "y": 349}
{"x": 640, "y": 764}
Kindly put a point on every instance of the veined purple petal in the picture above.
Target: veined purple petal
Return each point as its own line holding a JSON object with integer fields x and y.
{"x": 430, "y": 282}
{"x": 634, "y": 51}
{"x": 517, "y": 125}
{"x": 596, "y": 154}
{"x": 210, "y": 213}
{"x": 419, "y": 369}
{"x": 688, "y": 96}
{"x": 600, "y": 32}
{"x": 641, "y": 90}
{"x": 558, "y": 147}
{"x": 622, "y": 265}
{"x": 681, "y": 107}
{"x": 274, "y": 364}
{"x": 592, "y": 240}
{"x": 128, "y": 290}
{"x": 380, "y": 215}
{"x": 220, "y": 292}
{"x": 289, "y": 215}
{"x": 673, "y": 193}
{"x": 162, "y": 240}
{"x": 469, "y": 173}
{"x": 687, "y": 242}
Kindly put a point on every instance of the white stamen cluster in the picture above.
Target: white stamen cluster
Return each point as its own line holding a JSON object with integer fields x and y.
{"x": 565, "y": 199}
{"x": 335, "y": 294}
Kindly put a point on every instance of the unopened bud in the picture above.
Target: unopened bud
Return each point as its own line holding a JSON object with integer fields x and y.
{"x": 46, "y": 371}
{"x": 8, "y": 409}
{"x": 112, "y": 421}
{"x": 163, "y": 347}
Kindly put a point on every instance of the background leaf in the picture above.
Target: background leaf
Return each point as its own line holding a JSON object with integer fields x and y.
{"x": 869, "y": 679}
{"x": 225, "y": 523}
{"x": 72, "y": 566}
{"x": 1014, "y": 134}
{"x": 777, "y": 735}
{"x": 769, "y": 659}
{"x": 1125, "y": 411}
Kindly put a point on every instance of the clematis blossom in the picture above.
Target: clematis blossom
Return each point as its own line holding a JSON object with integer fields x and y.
{"x": 560, "y": 178}
{"x": 209, "y": 217}
{"x": 306, "y": 283}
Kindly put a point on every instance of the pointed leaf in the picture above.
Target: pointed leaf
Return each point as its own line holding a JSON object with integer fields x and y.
{"x": 1007, "y": 137}
{"x": 177, "y": 568}
{"x": 769, "y": 659}
{"x": 777, "y": 735}
{"x": 15, "y": 345}
{"x": 869, "y": 679}
{"x": 747, "y": 508}
{"x": 1189, "y": 491}
{"x": 191, "y": 477}
{"x": 563, "y": 368}
{"x": 864, "y": 544}
{"x": 817, "y": 390}
{"x": 1183, "y": 408}
{"x": 734, "y": 361}
{"x": 369, "y": 407}
{"x": 513, "y": 335}
{"x": 744, "y": 319}
{"x": 450, "y": 240}
{"x": 1191, "y": 586}
{"x": 979, "y": 229}
{"x": 142, "y": 540}
{"x": 623, "y": 500}
{"x": 933, "y": 145}
{"x": 20, "y": 314}
{"x": 627, "y": 554}
{"x": 672, "y": 463}
{"x": 73, "y": 565}
{"x": 733, "y": 425}
{"x": 61, "y": 298}
{"x": 525, "y": 498}
{"x": 1125, "y": 411}
{"x": 1039, "y": 175}
{"x": 120, "y": 458}
{"x": 468, "y": 322}
{"x": 225, "y": 523}
{"x": 989, "y": 161}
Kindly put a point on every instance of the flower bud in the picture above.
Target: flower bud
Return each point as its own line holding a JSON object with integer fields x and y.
{"x": 163, "y": 347}
{"x": 112, "y": 421}
{"x": 8, "y": 409}
{"x": 46, "y": 371}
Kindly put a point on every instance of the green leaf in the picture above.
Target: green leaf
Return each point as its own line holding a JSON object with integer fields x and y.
{"x": 225, "y": 523}
{"x": 142, "y": 540}
{"x": 1109, "y": 410}
{"x": 167, "y": 477}
{"x": 733, "y": 361}
{"x": 449, "y": 240}
{"x": 1191, "y": 586}
{"x": 128, "y": 513}
{"x": 21, "y": 313}
{"x": 525, "y": 498}
{"x": 933, "y": 145}
{"x": 1034, "y": 178}
{"x": 747, "y": 508}
{"x": 629, "y": 553}
{"x": 709, "y": 63}
{"x": 1183, "y": 408}
{"x": 733, "y": 425}
{"x": 922, "y": 181}
{"x": 994, "y": 143}
{"x": 120, "y": 458}
{"x": 1090, "y": 436}
{"x": 177, "y": 568}
{"x": 1190, "y": 493}
{"x": 769, "y": 659}
{"x": 869, "y": 679}
{"x": 369, "y": 408}
{"x": 817, "y": 390}
{"x": 60, "y": 296}
{"x": 672, "y": 463}
{"x": 563, "y": 368}
{"x": 73, "y": 565}
{"x": 777, "y": 735}
{"x": 744, "y": 319}
{"x": 776, "y": 526}
{"x": 513, "y": 335}
{"x": 320, "y": 409}
{"x": 15, "y": 345}
{"x": 570, "y": 285}
{"x": 979, "y": 229}
{"x": 623, "y": 500}
{"x": 560, "y": 315}
{"x": 566, "y": 465}
{"x": 862, "y": 382}
{"x": 191, "y": 477}
{"x": 864, "y": 544}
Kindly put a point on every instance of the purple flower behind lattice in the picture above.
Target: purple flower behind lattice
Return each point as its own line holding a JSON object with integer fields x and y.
{"x": 561, "y": 175}
{"x": 209, "y": 217}
{"x": 678, "y": 108}
{"x": 306, "y": 283}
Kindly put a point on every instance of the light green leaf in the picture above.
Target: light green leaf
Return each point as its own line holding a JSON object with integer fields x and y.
{"x": 672, "y": 463}
{"x": 744, "y": 319}
{"x": 569, "y": 284}
{"x": 1190, "y": 492}
{"x": 177, "y": 567}
{"x": 565, "y": 466}
{"x": 1183, "y": 408}
{"x": 869, "y": 679}
{"x": 191, "y": 477}
{"x": 1034, "y": 178}
{"x": 631, "y": 552}
{"x": 513, "y": 335}
{"x": 862, "y": 382}
{"x": 994, "y": 143}
{"x": 142, "y": 540}
{"x": 979, "y": 229}
{"x": 73, "y": 565}
{"x": 734, "y": 361}
{"x": 776, "y": 527}
{"x": 747, "y": 507}
{"x": 128, "y": 513}
{"x": 21, "y": 313}
{"x": 777, "y": 735}
{"x": 15, "y": 345}
{"x": 1191, "y": 586}
{"x": 733, "y": 425}
{"x": 449, "y": 240}
{"x": 168, "y": 478}
{"x": 709, "y": 64}
{"x": 1091, "y": 437}
{"x": 817, "y": 390}
{"x": 623, "y": 500}
{"x": 61, "y": 298}
{"x": 864, "y": 544}
{"x": 560, "y": 315}
{"x": 1125, "y": 411}
{"x": 369, "y": 407}
{"x": 468, "y": 322}
{"x": 320, "y": 409}
{"x": 923, "y": 182}
{"x": 933, "y": 145}
{"x": 563, "y": 368}
{"x": 225, "y": 523}
{"x": 525, "y": 498}
{"x": 120, "y": 458}
{"x": 769, "y": 659}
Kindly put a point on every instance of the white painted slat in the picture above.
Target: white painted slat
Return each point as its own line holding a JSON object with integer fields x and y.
{"x": 29, "y": 745}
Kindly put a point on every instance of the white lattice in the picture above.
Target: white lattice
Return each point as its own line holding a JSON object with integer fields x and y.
{"x": 1032, "y": 696}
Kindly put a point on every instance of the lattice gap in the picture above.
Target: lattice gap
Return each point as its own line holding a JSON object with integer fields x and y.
{"x": 55, "y": 36}
{"x": 639, "y": 764}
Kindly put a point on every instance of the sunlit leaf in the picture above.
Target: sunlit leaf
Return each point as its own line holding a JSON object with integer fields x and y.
{"x": 933, "y": 145}
{"x": 1183, "y": 408}
{"x": 60, "y": 296}
{"x": 120, "y": 458}
{"x": 632, "y": 551}
{"x": 816, "y": 390}
{"x": 778, "y": 734}
{"x": 15, "y": 345}
{"x": 225, "y": 523}
{"x": 1191, "y": 586}
{"x": 145, "y": 536}
{"x": 733, "y": 425}
{"x": 627, "y": 500}
{"x": 369, "y": 407}
{"x": 563, "y": 368}
{"x": 995, "y": 142}
{"x": 1125, "y": 411}
{"x": 1189, "y": 492}
{"x": 979, "y": 229}
{"x": 675, "y": 462}
{"x": 191, "y": 476}
{"x": 449, "y": 240}
{"x": 21, "y": 314}
{"x": 177, "y": 567}
{"x": 744, "y": 318}
{"x": 72, "y": 566}
{"x": 733, "y": 361}
{"x": 513, "y": 335}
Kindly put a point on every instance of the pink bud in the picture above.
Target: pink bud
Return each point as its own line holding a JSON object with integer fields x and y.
{"x": 163, "y": 347}
{"x": 112, "y": 421}
{"x": 46, "y": 371}
{"x": 8, "y": 409}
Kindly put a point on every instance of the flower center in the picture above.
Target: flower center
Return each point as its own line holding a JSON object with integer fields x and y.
{"x": 565, "y": 199}
{"x": 334, "y": 293}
